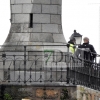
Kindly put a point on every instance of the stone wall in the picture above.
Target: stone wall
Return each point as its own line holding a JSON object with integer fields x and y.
{"x": 35, "y": 21}
{"x": 52, "y": 93}
{"x": 84, "y": 93}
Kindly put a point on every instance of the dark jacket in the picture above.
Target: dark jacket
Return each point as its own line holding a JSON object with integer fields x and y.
{"x": 88, "y": 51}
{"x": 70, "y": 42}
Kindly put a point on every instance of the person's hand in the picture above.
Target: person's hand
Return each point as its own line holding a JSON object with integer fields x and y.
{"x": 68, "y": 45}
{"x": 74, "y": 46}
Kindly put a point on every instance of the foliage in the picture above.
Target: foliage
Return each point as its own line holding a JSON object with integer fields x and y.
{"x": 64, "y": 94}
{"x": 7, "y": 96}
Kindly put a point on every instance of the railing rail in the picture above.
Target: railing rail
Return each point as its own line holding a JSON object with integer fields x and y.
{"x": 47, "y": 66}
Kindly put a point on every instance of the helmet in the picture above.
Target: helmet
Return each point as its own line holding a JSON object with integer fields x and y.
{"x": 72, "y": 39}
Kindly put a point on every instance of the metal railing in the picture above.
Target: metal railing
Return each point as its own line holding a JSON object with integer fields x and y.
{"x": 50, "y": 65}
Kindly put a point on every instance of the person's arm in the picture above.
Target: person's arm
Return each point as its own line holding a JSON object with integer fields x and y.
{"x": 93, "y": 51}
{"x": 77, "y": 52}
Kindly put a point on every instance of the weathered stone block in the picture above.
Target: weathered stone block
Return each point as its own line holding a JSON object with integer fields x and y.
{"x": 59, "y": 9}
{"x": 21, "y": 18}
{"x": 12, "y": 18}
{"x": 49, "y": 9}
{"x": 43, "y": 37}
{"x": 27, "y": 8}
{"x": 22, "y": 1}
{"x": 49, "y": 93}
{"x": 41, "y": 18}
{"x": 12, "y": 1}
{"x": 36, "y": 28}
{"x": 25, "y": 28}
{"x": 36, "y": 46}
{"x": 8, "y": 44}
{"x": 16, "y": 8}
{"x": 19, "y": 37}
{"x": 50, "y": 28}
{"x": 31, "y": 8}
{"x": 41, "y": 1}
{"x": 57, "y": 48}
{"x": 56, "y": 1}
{"x": 15, "y": 28}
{"x": 60, "y": 29}
{"x": 55, "y": 19}
{"x": 59, "y": 38}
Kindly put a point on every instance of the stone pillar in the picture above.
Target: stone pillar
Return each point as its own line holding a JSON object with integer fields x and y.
{"x": 35, "y": 21}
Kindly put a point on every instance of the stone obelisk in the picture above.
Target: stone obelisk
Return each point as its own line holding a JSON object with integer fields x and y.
{"x": 35, "y": 22}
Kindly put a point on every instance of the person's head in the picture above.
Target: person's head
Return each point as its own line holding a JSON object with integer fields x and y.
{"x": 86, "y": 40}
{"x": 73, "y": 40}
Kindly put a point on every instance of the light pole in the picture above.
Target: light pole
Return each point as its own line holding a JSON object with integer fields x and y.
{"x": 77, "y": 36}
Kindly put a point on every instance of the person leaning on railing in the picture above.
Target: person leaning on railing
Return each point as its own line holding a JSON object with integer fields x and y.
{"x": 71, "y": 45}
{"x": 87, "y": 50}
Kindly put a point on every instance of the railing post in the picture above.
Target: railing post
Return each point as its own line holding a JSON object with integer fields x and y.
{"x": 3, "y": 69}
{"x": 67, "y": 69}
{"x": 14, "y": 66}
{"x": 67, "y": 75}
{"x": 2, "y": 92}
{"x": 24, "y": 64}
{"x": 3, "y": 58}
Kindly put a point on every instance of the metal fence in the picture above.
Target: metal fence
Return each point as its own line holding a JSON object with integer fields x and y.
{"x": 50, "y": 65}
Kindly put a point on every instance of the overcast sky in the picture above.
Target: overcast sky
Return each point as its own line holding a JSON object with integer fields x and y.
{"x": 82, "y": 15}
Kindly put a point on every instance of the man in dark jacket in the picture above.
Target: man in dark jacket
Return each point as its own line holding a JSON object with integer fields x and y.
{"x": 88, "y": 50}
{"x": 88, "y": 54}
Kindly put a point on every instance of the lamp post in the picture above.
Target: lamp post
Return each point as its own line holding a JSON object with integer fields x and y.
{"x": 77, "y": 36}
